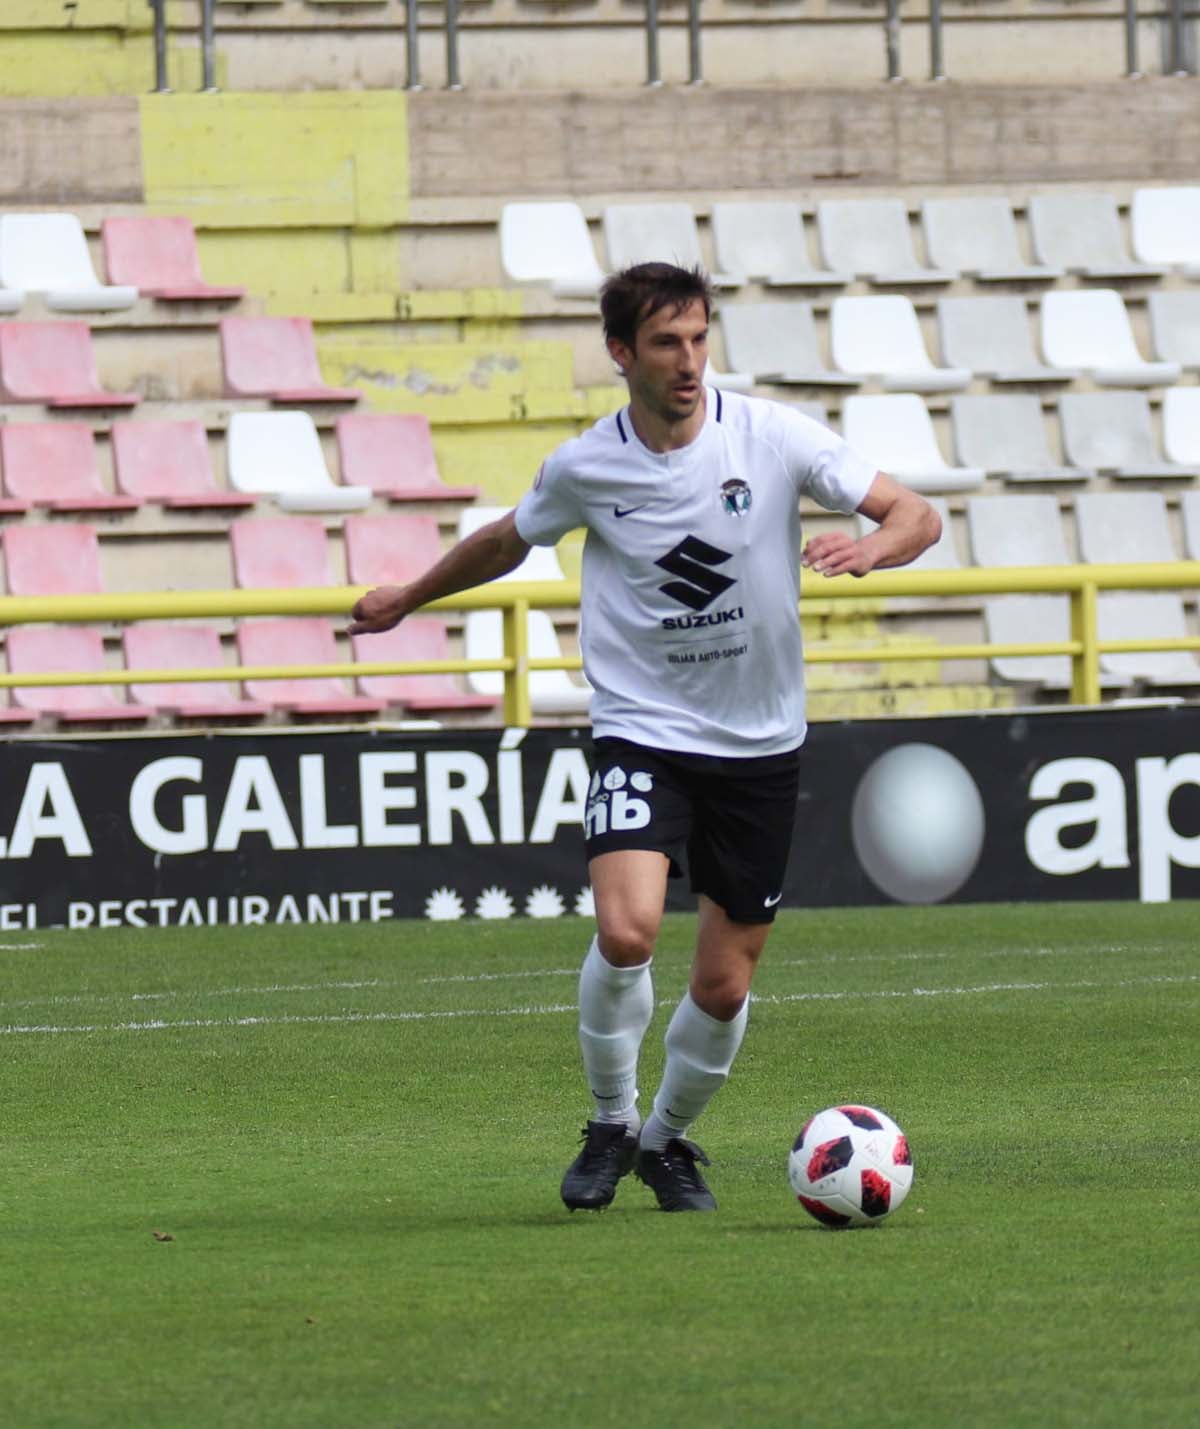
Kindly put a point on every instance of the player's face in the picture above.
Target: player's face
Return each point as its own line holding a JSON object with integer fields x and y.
{"x": 665, "y": 366}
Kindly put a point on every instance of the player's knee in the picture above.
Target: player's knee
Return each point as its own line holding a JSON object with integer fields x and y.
{"x": 721, "y": 995}
{"x": 626, "y": 942}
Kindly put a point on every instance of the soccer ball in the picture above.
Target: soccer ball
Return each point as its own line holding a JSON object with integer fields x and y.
{"x": 850, "y": 1166}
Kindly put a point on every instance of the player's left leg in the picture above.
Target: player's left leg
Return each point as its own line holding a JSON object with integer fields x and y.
{"x": 738, "y": 855}
{"x": 702, "y": 1041}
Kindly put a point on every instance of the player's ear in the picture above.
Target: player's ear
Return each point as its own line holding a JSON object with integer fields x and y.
{"x": 621, "y": 353}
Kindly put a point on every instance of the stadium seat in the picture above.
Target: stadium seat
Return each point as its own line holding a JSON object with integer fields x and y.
{"x": 53, "y": 363}
{"x": 978, "y": 236}
{"x": 1166, "y": 228}
{"x": 419, "y": 638}
{"x": 1111, "y": 432}
{"x": 896, "y": 433}
{"x": 13, "y": 714}
{"x": 1181, "y": 425}
{"x": 53, "y": 465}
{"x": 816, "y": 410}
{"x": 1116, "y": 527}
{"x": 549, "y": 243}
{"x": 1175, "y": 327}
{"x": 1081, "y": 232}
{"x": 279, "y": 454}
{"x": 294, "y": 640}
{"x": 166, "y": 646}
{"x": 272, "y": 553}
{"x": 656, "y": 233}
{"x": 45, "y": 649}
{"x": 1025, "y": 531}
{"x": 942, "y": 555}
{"x": 11, "y": 300}
{"x": 47, "y": 253}
{"x": 392, "y": 454}
{"x": 1005, "y": 434}
{"x": 168, "y": 463}
{"x": 1090, "y": 331}
{"x": 389, "y": 550}
{"x": 1189, "y": 511}
{"x": 52, "y": 560}
{"x": 728, "y": 381}
{"x": 275, "y": 358}
{"x": 159, "y": 257}
{"x": 881, "y": 337}
{"x": 550, "y": 691}
{"x": 991, "y": 337}
{"x": 1119, "y": 526}
{"x": 777, "y": 342}
{"x": 870, "y": 238}
{"x": 766, "y": 241}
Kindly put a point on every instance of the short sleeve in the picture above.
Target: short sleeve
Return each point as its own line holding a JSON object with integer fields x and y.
{"x": 550, "y": 508}
{"x": 824, "y": 466}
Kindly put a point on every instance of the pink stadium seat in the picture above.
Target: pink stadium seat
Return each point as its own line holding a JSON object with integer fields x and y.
{"x": 40, "y": 649}
{"x": 390, "y": 550}
{"x": 168, "y": 462}
{"x": 307, "y": 640}
{"x": 52, "y": 560}
{"x": 392, "y": 453}
{"x": 53, "y": 464}
{"x": 420, "y": 637}
{"x": 53, "y": 362}
{"x": 276, "y": 358}
{"x": 280, "y": 551}
{"x": 162, "y": 646}
{"x": 12, "y": 714}
{"x": 159, "y": 257}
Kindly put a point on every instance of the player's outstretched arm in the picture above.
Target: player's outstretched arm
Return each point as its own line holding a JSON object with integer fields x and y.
{"x": 908, "y": 525}
{"x": 492, "y": 551}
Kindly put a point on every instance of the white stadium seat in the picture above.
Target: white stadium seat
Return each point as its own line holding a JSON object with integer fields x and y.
{"x": 47, "y": 253}
{"x": 895, "y": 432}
{"x": 549, "y": 243}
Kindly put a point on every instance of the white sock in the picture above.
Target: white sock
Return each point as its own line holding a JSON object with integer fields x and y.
{"x": 700, "y": 1052}
{"x": 615, "y": 1007}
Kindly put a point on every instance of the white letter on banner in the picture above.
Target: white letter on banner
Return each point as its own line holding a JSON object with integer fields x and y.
{"x": 444, "y": 799}
{"x": 252, "y": 778}
{"x": 564, "y": 794}
{"x": 193, "y": 836}
{"x": 47, "y": 788}
{"x": 1109, "y": 845}
{"x": 1158, "y": 843}
{"x": 314, "y": 830}
{"x": 378, "y": 798}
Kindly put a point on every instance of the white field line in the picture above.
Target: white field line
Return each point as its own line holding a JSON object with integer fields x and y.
{"x": 812, "y": 960}
{"x": 549, "y": 1009}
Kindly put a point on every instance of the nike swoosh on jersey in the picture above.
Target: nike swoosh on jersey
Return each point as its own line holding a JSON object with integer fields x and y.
{"x": 771, "y": 902}
{"x": 629, "y": 510}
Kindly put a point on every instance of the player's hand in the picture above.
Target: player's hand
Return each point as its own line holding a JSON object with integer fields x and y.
{"x": 380, "y": 609}
{"x": 835, "y": 553}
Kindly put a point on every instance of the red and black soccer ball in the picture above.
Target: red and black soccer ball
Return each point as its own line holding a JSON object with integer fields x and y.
{"x": 850, "y": 1166}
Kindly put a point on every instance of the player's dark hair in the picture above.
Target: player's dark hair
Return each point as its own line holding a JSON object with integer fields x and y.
{"x": 631, "y": 297}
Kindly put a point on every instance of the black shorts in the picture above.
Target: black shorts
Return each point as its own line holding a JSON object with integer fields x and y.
{"x": 732, "y": 819}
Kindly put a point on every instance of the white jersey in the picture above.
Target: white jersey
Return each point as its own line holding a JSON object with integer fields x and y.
{"x": 690, "y": 631}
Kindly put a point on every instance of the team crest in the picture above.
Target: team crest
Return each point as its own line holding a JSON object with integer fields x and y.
{"x": 735, "y": 497}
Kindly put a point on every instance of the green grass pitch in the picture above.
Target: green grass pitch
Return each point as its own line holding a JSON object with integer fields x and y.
{"x": 309, "y": 1176}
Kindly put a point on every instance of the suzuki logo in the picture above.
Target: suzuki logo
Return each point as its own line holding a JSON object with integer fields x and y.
{"x": 699, "y": 585}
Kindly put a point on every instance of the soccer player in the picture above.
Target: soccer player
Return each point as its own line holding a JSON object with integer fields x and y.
{"x": 690, "y": 636}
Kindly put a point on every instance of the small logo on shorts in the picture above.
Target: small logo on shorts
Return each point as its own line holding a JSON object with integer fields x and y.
{"x": 735, "y": 497}
{"x": 771, "y": 902}
{"x": 611, "y": 807}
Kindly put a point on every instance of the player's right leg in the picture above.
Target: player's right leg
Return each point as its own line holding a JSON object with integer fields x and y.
{"x": 616, "y": 1002}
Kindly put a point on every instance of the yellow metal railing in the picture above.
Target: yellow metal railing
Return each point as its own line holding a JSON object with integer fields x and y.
{"x": 515, "y": 599}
